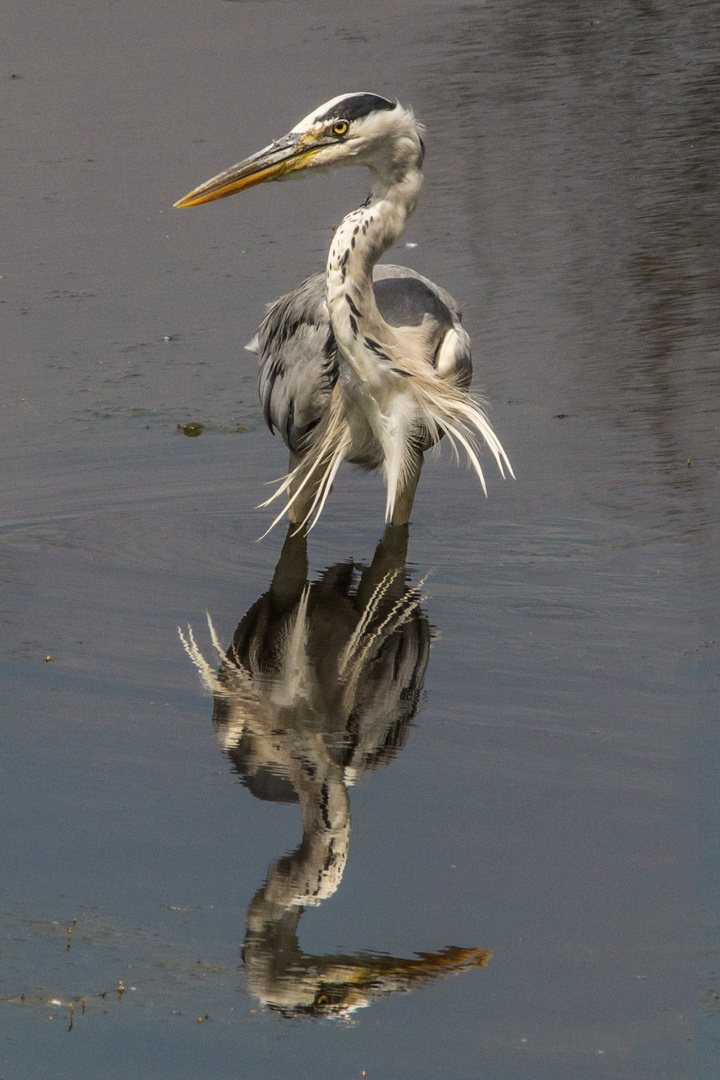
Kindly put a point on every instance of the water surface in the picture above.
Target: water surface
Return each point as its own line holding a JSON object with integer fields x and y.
{"x": 524, "y": 870}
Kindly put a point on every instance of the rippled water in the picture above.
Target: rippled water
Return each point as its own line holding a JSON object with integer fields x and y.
{"x": 469, "y": 828}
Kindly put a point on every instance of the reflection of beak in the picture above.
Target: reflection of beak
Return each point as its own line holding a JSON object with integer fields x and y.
{"x": 348, "y": 987}
{"x": 286, "y": 155}
{"x": 452, "y": 959}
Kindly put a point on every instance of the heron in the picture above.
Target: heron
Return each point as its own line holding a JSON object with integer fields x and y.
{"x": 366, "y": 362}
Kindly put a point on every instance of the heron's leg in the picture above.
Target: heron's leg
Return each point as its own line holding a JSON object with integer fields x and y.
{"x": 300, "y": 509}
{"x": 406, "y": 495}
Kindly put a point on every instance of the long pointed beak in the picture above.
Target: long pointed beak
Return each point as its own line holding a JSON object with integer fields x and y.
{"x": 284, "y": 156}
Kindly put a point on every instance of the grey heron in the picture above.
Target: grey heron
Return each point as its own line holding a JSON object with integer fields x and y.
{"x": 366, "y": 363}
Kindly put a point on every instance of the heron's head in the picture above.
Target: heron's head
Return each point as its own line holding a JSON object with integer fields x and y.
{"x": 353, "y": 129}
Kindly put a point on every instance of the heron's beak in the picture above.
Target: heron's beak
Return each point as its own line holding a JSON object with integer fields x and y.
{"x": 284, "y": 156}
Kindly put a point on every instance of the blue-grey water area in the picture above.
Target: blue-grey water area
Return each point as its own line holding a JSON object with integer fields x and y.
{"x": 472, "y": 832}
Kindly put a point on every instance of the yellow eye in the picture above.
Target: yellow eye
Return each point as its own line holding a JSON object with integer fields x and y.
{"x": 340, "y": 128}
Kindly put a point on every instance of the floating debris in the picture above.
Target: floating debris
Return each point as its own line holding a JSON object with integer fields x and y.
{"x": 192, "y": 430}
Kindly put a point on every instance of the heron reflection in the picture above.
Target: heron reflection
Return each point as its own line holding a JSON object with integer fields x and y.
{"x": 317, "y": 690}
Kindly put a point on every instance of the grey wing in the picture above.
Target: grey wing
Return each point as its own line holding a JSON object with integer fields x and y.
{"x": 298, "y": 362}
{"x": 406, "y": 298}
{"x": 298, "y": 354}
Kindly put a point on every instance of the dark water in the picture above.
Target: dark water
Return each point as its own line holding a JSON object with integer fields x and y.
{"x": 528, "y": 752}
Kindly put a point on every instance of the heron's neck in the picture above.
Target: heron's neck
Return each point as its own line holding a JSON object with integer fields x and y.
{"x": 359, "y": 241}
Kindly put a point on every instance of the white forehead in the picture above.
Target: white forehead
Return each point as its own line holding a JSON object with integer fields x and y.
{"x": 312, "y": 118}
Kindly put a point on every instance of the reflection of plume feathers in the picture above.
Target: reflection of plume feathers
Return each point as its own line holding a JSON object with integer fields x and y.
{"x": 237, "y": 683}
{"x": 294, "y": 678}
{"x": 247, "y": 689}
{"x": 208, "y": 675}
{"x": 366, "y": 639}
{"x": 250, "y": 687}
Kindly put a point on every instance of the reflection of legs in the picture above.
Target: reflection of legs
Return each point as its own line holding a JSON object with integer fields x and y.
{"x": 290, "y": 575}
{"x": 406, "y": 495}
{"x": 388, "y": 565}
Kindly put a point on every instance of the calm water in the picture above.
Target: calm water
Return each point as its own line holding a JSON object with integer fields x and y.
{"x": 495, "y": 778}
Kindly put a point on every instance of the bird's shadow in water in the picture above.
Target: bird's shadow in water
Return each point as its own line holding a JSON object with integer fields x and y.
{"x": 317, "y": 690}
